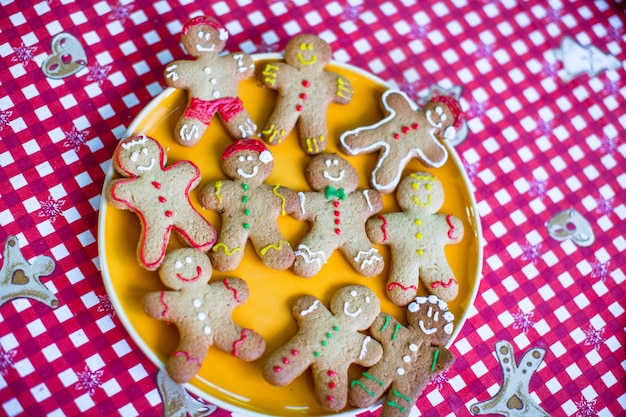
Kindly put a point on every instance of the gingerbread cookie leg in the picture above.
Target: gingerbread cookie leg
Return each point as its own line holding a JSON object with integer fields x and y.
{"x": 332, "y": 386}
{"x": 279, "y": 125}
{"x": 188, "y": 131}
{"x": 310, "y": 259}
{"x": 228, "y": 251}
{"x": 187, "y": 359}
{"x": 153, "y": 243}
{"x": 273, "y": 249}
{"x": 439, "y": 279}
{"x": 312, "y": 133}
{"x": 363, "y": 257}
{"x": 192, "y": 229}
{"x": 240, "y": 125}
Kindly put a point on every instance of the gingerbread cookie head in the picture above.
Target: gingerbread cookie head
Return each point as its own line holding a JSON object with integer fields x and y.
{"x": 139, "y": 154}
{"x": 356, "y": 304}
{"x": 203, "y": 35}
{"x": 331, "y": 170}
{"x": 432, "y": 316}
{"x": 248, "y": 160}
{"x": 185, "y": 268}
{"x": 443, "y": 114}
{"x": 420, "y": 191}
{"x": 308, "y": 52}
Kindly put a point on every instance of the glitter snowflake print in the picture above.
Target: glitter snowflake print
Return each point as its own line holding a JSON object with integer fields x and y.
{"x": 600, "y": 270}
{"x": 51, "y": 208}
{"x": 351, "y": 13}
{"x": 604, "y": 206}
{"x": 440, "y": 380}
{"x": 98, "y": 73}
{"x": 6, "y": 360}
{"x": 593, "y": 337}
{"x": 75, "y": 139}
{"x": 24, "y": 54}
{"x": 106, "y": 306}
{"x": 585, "y": 407}
{"x": 522, "y": 321}
{"x": 538, "y": 188}
{"x": 5, "y": 116}
{"x": 120, "y": 12}
{"x": 89, "y": 380}
{"x": 531, "y": 253}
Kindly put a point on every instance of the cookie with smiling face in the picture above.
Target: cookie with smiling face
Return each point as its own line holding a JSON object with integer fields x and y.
{"x": 305, "y": 91}
{"x": 412, "y": 356}
{"x": 249, "y": 208}
{"x": 202, "y": 312}
{"x": 337, "y": 212}
{"x": 417, "y": 236}
{"x": 159, "y": 195}
{"x": 211, "y": 81}
{"x": 405, "y": 133}
{"x": 328, "y": 341}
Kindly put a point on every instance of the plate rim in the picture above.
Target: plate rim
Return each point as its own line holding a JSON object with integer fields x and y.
{"x": 136, "y": 338}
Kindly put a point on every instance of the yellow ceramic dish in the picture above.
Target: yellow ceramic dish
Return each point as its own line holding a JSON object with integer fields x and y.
{"x": 223, "y": 379}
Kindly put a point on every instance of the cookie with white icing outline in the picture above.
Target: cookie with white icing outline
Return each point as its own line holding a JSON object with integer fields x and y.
{"x": 328, "y": 341}
{"x": 417, "y": 236}
{"x": 211, "y": 81}
{"x": 412, "y": 356}
{"x": 202, "y": 312}
{"x": 337, "y": 212}
{"x": 159, "y": 195}
{"x": 405, "y": 133}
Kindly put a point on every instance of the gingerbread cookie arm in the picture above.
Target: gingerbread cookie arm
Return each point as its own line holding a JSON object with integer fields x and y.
{"x": 244, "y": 65}
{"x": 342, "y": 86}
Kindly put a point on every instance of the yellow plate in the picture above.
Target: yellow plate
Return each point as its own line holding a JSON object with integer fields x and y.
{"x": 223, "y": 379}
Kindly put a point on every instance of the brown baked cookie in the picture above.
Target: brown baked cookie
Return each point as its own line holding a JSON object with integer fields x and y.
{"x": 211, "y": 81}
{"x": 412, "y": 356}
{"x": 337, "y": 212}
{"x": 417, "y": 237}
{"x": 159, "y": 195}
{"x": 305, "y": 91}
{"x": 405, "y": 133}
{"x": 201, "y": 311}
{"x": 328, "y": 341}
{"x": 249, "y": 208}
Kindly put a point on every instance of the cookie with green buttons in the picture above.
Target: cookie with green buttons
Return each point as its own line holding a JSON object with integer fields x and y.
{"x": 249, "y": 208}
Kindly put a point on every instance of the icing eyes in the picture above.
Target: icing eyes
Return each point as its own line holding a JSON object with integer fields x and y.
{"x": 179, "y": 264}
{"x": 334, "y": 162}
{"x": 306, "y": 46}
{"x": 135, "y": 155}
{"x": 248, "y": 158}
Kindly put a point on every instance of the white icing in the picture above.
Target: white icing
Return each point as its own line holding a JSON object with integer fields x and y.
{"x": 302, "y": 198}
{"x": 332, "y": 178}
{"x": 406, "y": 358}
{"x": 139, "y": 141}
{"x": 206, "y": 329}
{"x": 413, "y": 347}
{"x": 244, "y": 174}
{"x": 400, "y": 371}
{"x": 364, "y": 347}
{"x": 366, "y": 194}
{"x": 147, "y": 167}
{"x": 311, "y": 308}
{"x": 309, "y": 256}
{"x": 201, "y": 316}
{"x": 187, "y": 134}
{"x": 266, "y": 157}
{"x": 425, "y": 330}
{"x": 197, "y": 303}
{"x": 347, "y": 312}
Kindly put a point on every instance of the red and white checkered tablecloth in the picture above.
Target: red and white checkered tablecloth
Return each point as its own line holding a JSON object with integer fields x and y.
{"x": 545, "y": 134}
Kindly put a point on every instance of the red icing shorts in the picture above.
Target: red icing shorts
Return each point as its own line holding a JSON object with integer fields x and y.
{"x": 204, "y": 110}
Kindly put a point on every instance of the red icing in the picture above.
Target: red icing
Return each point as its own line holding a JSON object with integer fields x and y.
{"x": 295, "y": 352}
{"x": 165, "y": 306}
{"x": 278, "y": 369}
{"x": 383, "y": 227}
{"x": 452, "y": 228}
{"x": 415, "y": 126}
{"x": 156, "y": 185}
{"x": 192, "y": 279}
{"x": 286, "y": 360}
{"x": 405, "y": 129}
{"x": 397, "y": 284}
{"x": 234, "y": 290}
{"x": 331, "y": 373}
{"x": 330, "y": 398}
{"x": 187, "y": 356}
{"x": 451, "y": 282}
{"x": 162, "y": 199}
{"x": 337, "y": 222}
{"x": 336, "y": 203}
{"x": 299, "y": 107}
{"x": 331, "y": 385}
{"x": 244, "y": 336}
{"x": 396, "y": 136}
{"x": 303, "y": 96}
{"x": 168, "y": 213}
{"x": 306, "y": 83}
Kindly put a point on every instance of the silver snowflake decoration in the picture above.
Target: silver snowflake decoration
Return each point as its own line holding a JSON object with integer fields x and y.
{"x": 98, "y": 73}
{"x": 485, "y": 50}
{"x": 120, "y": 12}
{"x": 5, "y": 116}
{"x": 24, "y": 54}
{"x": 440, "y": 380}
{"x": 604, "y": 205}
{"x": 600, "y": 270}
{"x": 555, "y": 15}
{"x": 585, "y": 408}
{"x": 266, "y": 47}
{"x": 531, "y": 253}
{"x": 89, "y": 380}
{"x": 472, "y": 170}
{"x": 75, "y": 139}
{"x": 549, "y": 70}
{"x": 609, "y": 145}
{"x": 106, "y": 306}
{"x": 418, "y": 32}
{"x": 544, "y": 127}
{"x": 522, "y": 321}
{"x": 593, "y": 337}
{"x": 51, "y": 208}
{"x": 477, "y": 109}
{"x": 6, "y": 360}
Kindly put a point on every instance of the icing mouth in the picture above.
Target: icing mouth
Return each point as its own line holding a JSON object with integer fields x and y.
{"x": 347, "y": 312}
{"x": 147, "y": 167}
{"x": 244, "y": 174}
{"x": 201, "y": 48}
{"x": 332, "y": 178}
{"x": 426, "y": 330}
{"x": 305, "y": 61}
{"x": 192, "y": 279}
{"x": 430, "y": 120}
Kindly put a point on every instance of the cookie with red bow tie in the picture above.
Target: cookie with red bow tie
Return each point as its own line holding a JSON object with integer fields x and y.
{"x": 337, "y": 212}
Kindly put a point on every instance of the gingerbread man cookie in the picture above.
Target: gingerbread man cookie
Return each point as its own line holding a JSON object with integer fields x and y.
{"x": 201, "y": 311}
{"x": 159, "y": 195}
{"x": 337, "y": 212}
{"x": 405, "y": 133}
{"x": 305, "y": 91}
{"x": 412, "y": 356}
{"x": 249, "y": 208}
{"x": 328, "y": 341}
{"x": 211, "y": 81}
{"x": 417, "y": 237}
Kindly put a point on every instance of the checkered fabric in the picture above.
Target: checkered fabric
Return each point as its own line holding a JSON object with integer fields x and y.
{"x": 543, "y": 138}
